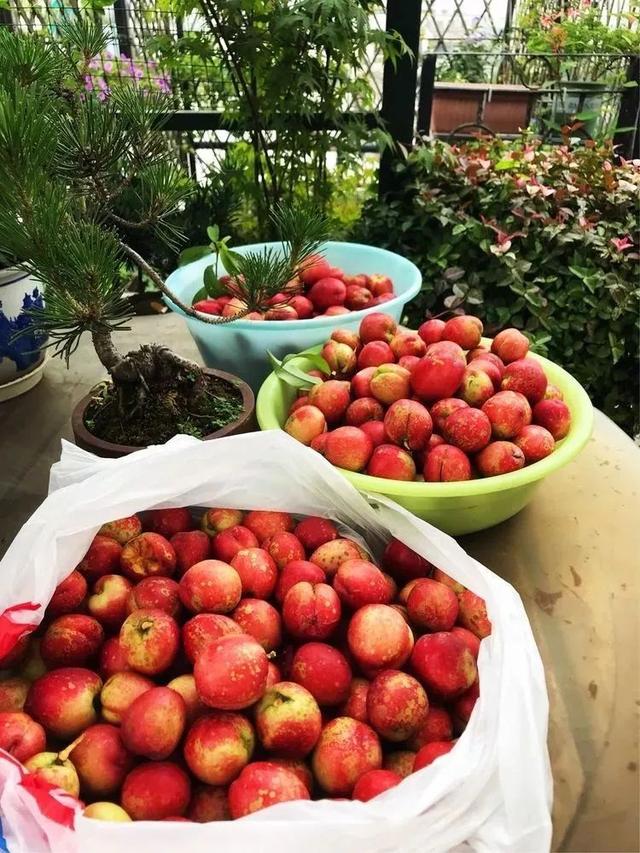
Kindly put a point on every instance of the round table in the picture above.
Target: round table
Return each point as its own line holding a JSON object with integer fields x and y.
{"x": 572, "y": 554}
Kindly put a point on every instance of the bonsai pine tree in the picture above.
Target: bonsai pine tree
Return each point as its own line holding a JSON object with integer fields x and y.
{"x": 79, "y": 174}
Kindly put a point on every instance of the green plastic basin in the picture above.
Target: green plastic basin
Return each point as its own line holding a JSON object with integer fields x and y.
{"x": 468, "y": 506}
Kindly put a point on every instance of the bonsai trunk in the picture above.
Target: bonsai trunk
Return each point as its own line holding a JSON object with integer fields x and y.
{"x": 152, "y": 371}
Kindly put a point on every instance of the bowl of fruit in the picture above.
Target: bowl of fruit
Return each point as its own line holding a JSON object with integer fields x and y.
{"x": 457, "y": 428}
{"x": 343, "y": 284}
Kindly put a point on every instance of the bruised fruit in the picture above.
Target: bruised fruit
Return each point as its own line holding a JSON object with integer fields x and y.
{"x": 473, "y": 614}
{"x": 148, "y": 554}
{"x": 330, "y": 555}
{"x": 122, "y": 529}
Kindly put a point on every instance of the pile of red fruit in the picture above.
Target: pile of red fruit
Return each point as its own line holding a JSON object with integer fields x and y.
{"x": 204, "y": 674}
{"x": 320, "y": 290}
{"x": 401, "y": 403}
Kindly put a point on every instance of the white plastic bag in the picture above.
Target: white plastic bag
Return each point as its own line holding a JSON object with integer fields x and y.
{"x": 491, "y": 793}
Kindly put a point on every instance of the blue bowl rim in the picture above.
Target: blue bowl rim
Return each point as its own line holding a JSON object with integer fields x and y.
{"x": 400, "y": 299}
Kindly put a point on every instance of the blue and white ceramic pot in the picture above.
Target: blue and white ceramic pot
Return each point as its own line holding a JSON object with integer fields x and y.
{"x": 22, "y": 358}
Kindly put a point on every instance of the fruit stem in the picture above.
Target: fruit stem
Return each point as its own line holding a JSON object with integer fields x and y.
{"x": 66, "y": 752}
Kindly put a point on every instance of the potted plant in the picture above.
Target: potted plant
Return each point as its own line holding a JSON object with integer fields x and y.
{"x": 585, "y": 61}
{"x": 465, "y": 96}
{"x": 21, "y": 358}
{"x": 80, "y": 170}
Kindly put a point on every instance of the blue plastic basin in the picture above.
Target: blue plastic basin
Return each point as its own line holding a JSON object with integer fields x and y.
{"x": 240, "y": 347}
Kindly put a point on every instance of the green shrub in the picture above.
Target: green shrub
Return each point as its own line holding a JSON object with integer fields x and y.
{"x": 542, "y": 238}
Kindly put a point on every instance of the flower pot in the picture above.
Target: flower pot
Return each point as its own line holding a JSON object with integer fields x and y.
{"x": 567, "y": 99}
{"x": 107, "y": 449}
{"x": 21, "y": 359}
{"x": 502, "y": 108}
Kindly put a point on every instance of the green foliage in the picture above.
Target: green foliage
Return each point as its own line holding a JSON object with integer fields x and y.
{"x": 257, "y": 276}
{"x": 577, "y": 28}
{"x": 542, "y": 238}
{"x": 77, "y": 174}
{"x": 285, "y": 73}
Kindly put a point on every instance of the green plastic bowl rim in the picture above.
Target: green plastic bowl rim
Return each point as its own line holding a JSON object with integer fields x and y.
{"x": 566, "y": 449}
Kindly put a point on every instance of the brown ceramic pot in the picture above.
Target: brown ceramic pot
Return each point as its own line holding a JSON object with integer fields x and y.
{"x": 84, "y": 439}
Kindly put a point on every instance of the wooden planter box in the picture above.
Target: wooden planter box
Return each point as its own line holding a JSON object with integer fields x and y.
{"x": 503, "y": 108}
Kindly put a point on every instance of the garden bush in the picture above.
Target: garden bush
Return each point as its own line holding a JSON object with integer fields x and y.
{"x": 543, "y": 238}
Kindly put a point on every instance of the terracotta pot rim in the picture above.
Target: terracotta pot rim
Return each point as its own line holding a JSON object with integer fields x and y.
{"x": 88, "y": 441}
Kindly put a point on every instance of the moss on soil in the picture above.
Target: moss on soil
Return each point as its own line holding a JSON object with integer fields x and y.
{"x": 165, "y": 413}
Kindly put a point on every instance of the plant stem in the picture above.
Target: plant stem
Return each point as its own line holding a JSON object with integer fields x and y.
{"x": 105, "y": 349}
{"x": 140, "y": 262}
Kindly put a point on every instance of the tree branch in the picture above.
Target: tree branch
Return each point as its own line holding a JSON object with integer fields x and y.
{"x": 140, "y": 262}
{"x": 132, "y": 226}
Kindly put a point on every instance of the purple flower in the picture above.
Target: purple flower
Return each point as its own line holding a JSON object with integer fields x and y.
{"x": 88, "y": 82}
